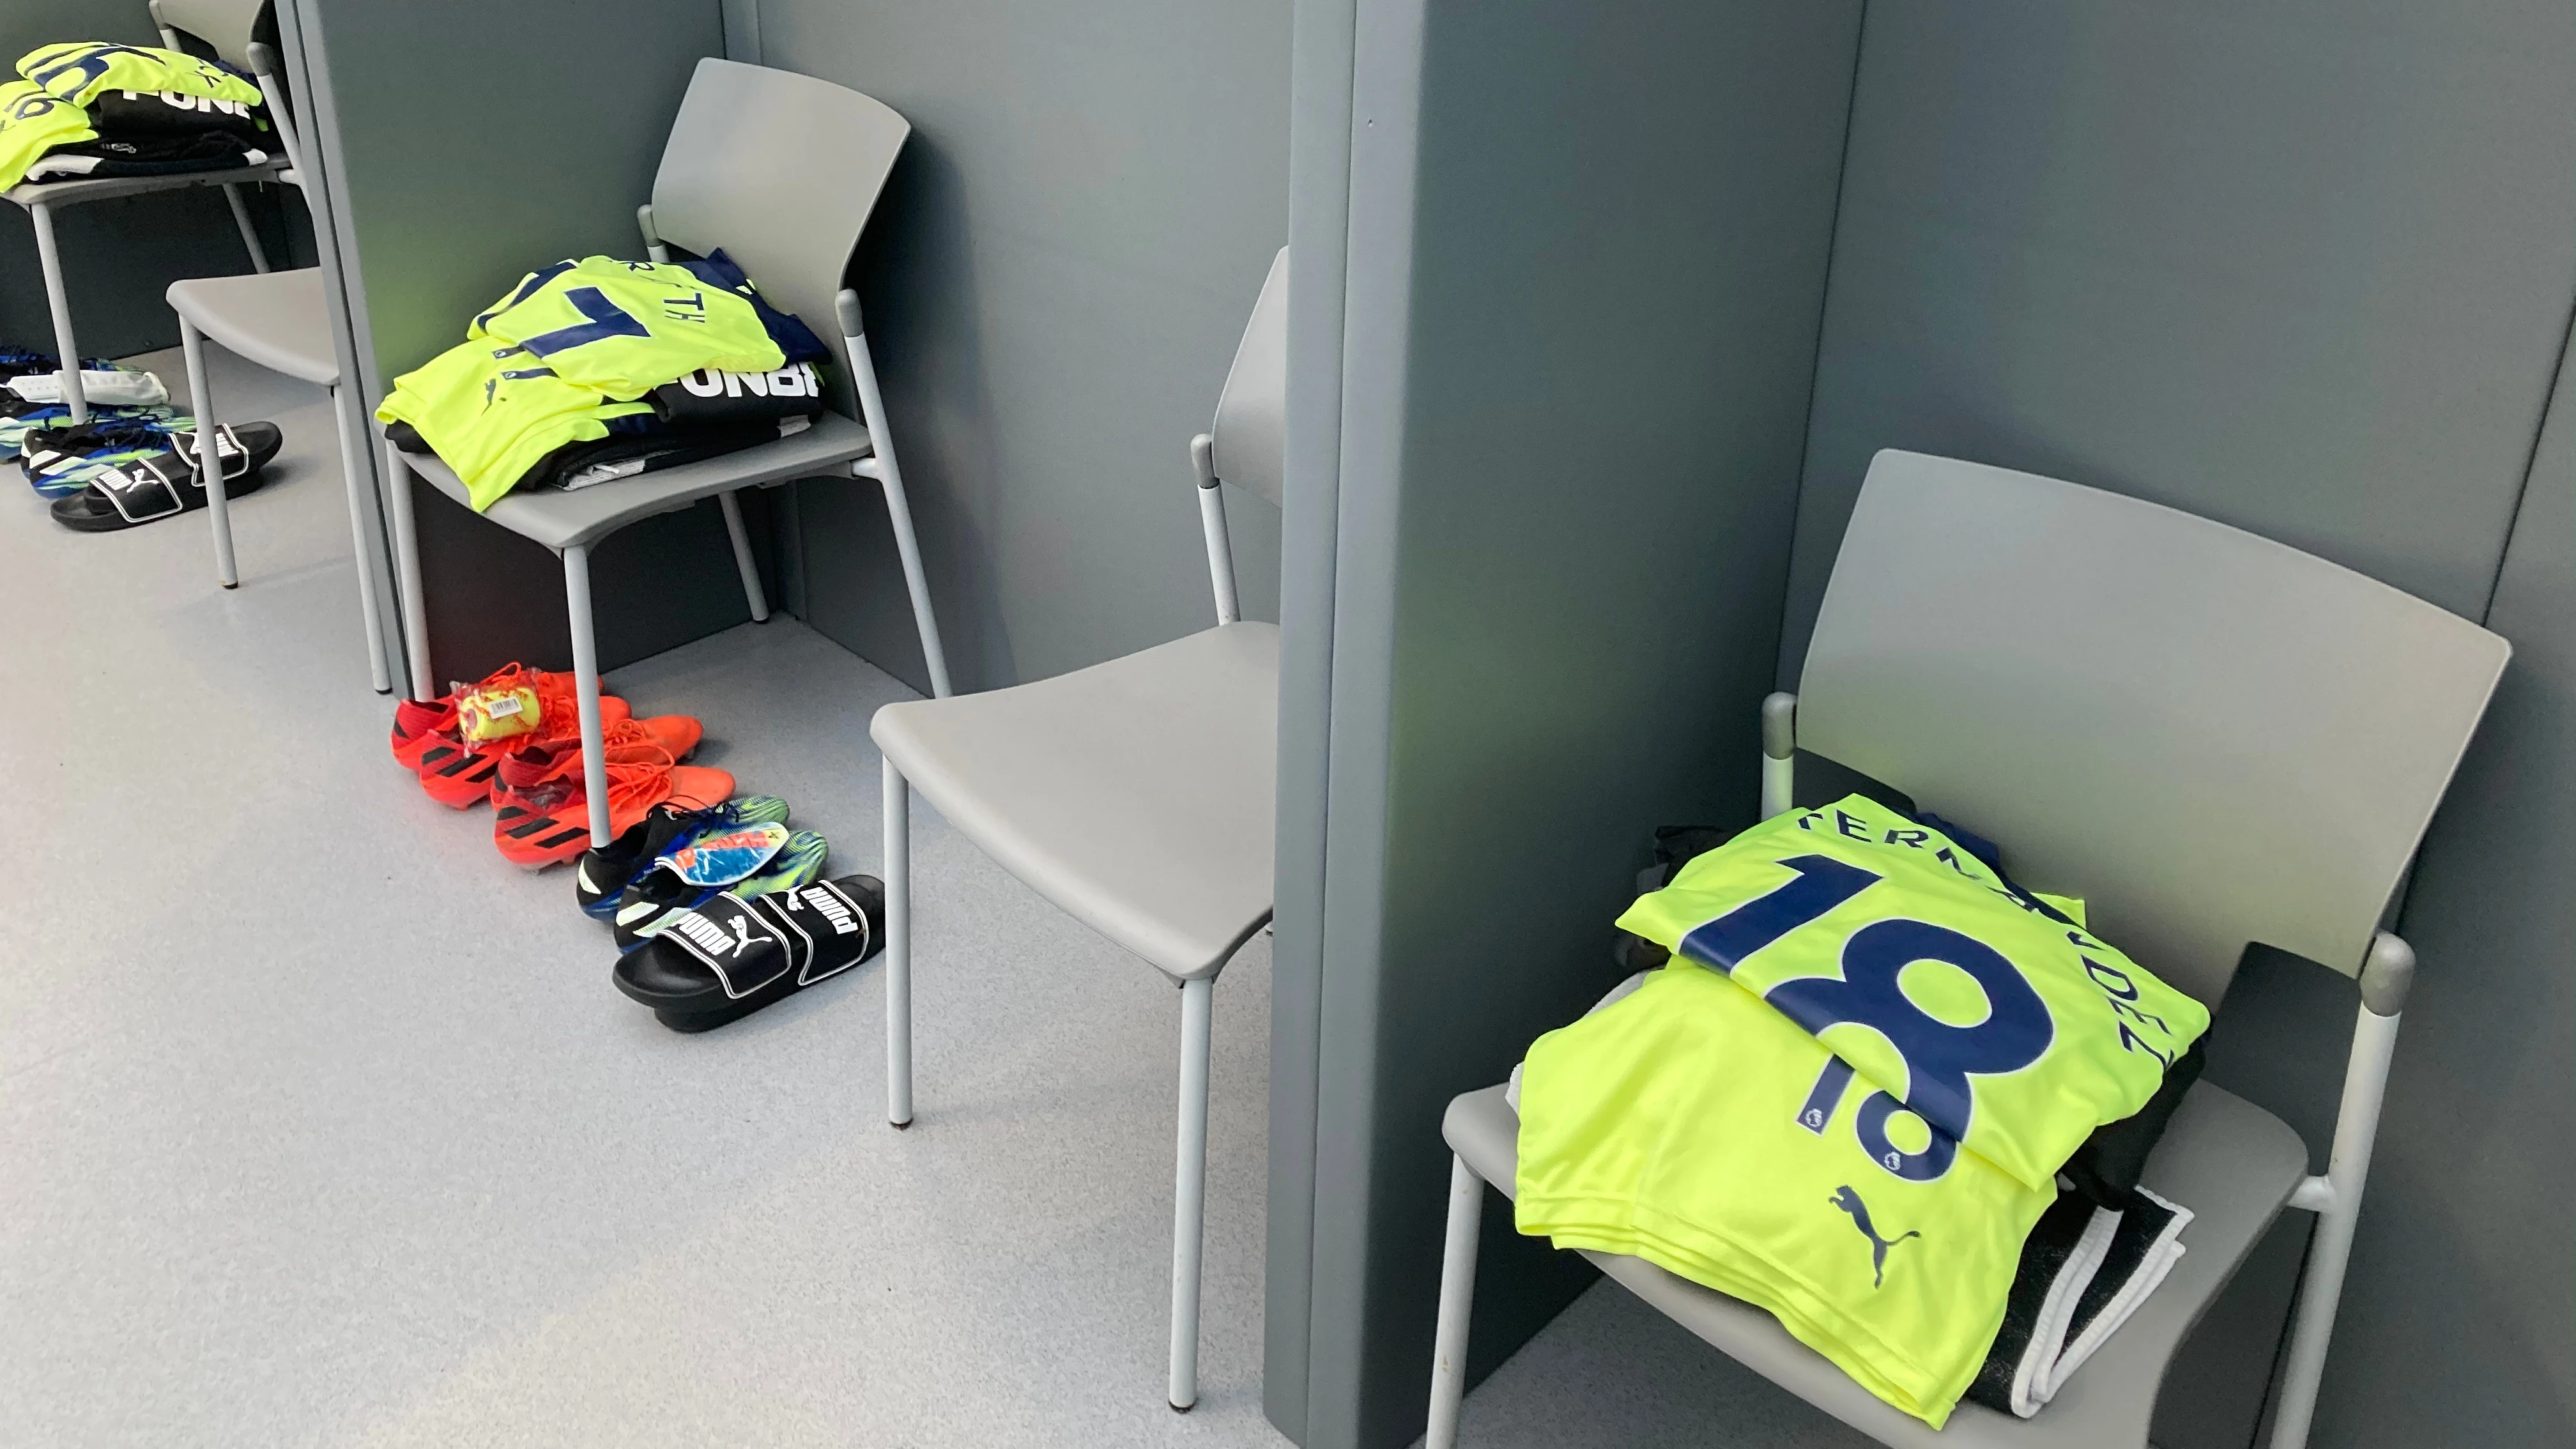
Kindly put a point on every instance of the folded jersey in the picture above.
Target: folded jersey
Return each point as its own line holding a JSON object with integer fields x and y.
{"x": 1693, "y": 1126}
{"x": 796, "y": 341}
{"x": 573, "y": 347}
{"x": 625, "y": 454}
{"x": 709, "y": 395}
{"x": 169, "y": 155}
{"x": 79, "y": 70}
{"x": 2014, "y": 1032}
{"x": 34, "y": 121}
{"x": 133, "y": 114}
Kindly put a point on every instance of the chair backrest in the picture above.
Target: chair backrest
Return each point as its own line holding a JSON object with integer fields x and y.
{"x": 1251, "y": 431}
{"x": 224, "y": 24}
{"x": 2212, "y": 738}
{"x": 780, "y": 170}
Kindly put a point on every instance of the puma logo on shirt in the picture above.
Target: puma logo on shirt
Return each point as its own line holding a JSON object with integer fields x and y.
{"x": 1849, "y": 1201}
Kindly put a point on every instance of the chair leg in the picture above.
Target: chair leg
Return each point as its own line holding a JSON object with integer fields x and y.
{"x": 377, "y": 673}
{"x": 742, "y": 560}
{"x": 1189, "y": 1190}
{"x": 585, "y": 676}
{"x": 249, "y": 233}
{"x": 201, "y": 401}
{"x": 1457, "y": 1301}
{"x": 49, "y": 259}
{"x": 2365, "y": 1085}
{"x": 408, "y": 600}
{"x": 883, "y": 468}
{"x": 898, "y": 951}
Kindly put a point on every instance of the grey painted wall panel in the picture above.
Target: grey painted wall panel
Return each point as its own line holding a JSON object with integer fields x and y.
{"x": 2459, "y": 1321}
{"x": 466, "y": 163}
{"x": 1580, "y": 345}
{"x": 2283, "y": 266}
{"x": 120, "y": 256}
{"x": 1055, "y": 281}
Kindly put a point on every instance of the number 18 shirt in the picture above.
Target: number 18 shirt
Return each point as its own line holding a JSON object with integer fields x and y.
{"x": 1848, "y": 1099}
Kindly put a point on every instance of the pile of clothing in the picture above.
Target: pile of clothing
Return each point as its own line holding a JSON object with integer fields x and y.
{"x": 716, "y": 906}
{"x": 1876, "y": 1088}
{"x": 90, "y": 108}
{"x": 599, "y": 369}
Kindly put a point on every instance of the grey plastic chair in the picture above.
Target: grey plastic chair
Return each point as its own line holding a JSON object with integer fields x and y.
{"x": 2213, "y": 739}
{"x": 791, "y": 216}
{"x": 1137, "y": 795}
{"x": 225, "y": 25}
{"x": 281, "y": 321}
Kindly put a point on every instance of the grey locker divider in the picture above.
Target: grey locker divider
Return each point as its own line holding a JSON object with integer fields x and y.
{"x": 1569, "y": 287}
{"x": 308, "y": 81}
{"x": 469, "y": 143}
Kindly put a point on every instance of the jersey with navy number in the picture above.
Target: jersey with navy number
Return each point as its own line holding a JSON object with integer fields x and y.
{"x": 1940, "y": 986}
{"x": 568, "y": 351}
{"x": 79, "y": 70}
{"x": 1847, "y": 1098}
{"x": 1680, "y": 1125}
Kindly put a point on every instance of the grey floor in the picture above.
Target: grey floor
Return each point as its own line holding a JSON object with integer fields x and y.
{"x": 321, "y": 1125}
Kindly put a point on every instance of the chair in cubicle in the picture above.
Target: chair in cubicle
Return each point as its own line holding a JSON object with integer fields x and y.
{"x": 2211, "y": 738}
{"x": 281, "y": 321}
{"x": 228, "y": 27}
{"x": 1137, "y": 795}
{"x": 790, "y": 216}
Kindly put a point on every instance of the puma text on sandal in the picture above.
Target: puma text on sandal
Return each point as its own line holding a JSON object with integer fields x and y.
{"x": 731, "y": 957}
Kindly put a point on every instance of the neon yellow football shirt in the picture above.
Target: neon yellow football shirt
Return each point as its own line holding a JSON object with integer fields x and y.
{"x": 2012, "y": 1032}
{"x": 571, "y": 346}
{"x": 34, "y": 121}
{"x": 79, "y": 69}
{"x": 1677, "y": 1125}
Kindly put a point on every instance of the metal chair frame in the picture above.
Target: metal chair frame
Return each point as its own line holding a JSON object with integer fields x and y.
{"x": 872, "y": 458}
{"x": 1246, "y": 445}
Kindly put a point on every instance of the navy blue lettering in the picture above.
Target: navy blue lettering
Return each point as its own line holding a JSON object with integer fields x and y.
{"x": 606, "y": 321}
{"x": 1822, "y": 883}
{"x": 1939, "y": 1057}
{"x": 1826, "y": 1095}
{"x": 1924, "y": 1166}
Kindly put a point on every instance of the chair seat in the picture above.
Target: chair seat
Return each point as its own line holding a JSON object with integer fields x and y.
{"x": 2232, "y": 1163}
{"x": 559, "y": 519}
{"x": 1137, "y": 795}
{"x": 276, "y": 319}
{"x": 107, "y": 188}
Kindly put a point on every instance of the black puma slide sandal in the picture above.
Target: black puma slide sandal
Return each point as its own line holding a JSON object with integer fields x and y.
{"x": 159, "y": 485}
{"x": 731, "y": 957}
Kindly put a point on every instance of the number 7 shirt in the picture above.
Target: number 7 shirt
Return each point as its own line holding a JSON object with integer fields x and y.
{"x": 574, "y": 345}
{"x": 1944, "y": 992}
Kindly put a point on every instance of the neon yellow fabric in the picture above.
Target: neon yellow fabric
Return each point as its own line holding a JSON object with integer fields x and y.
{"x": 626, "y": 328}
{"x": 33, "y": 122}
{"x": 573, "y": 345}
{"x": 1669, "y": 1126}
{"x": 79, "y": 69}
{"x": 491, "y": 416}
{"x": 2014, "y": 1033}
